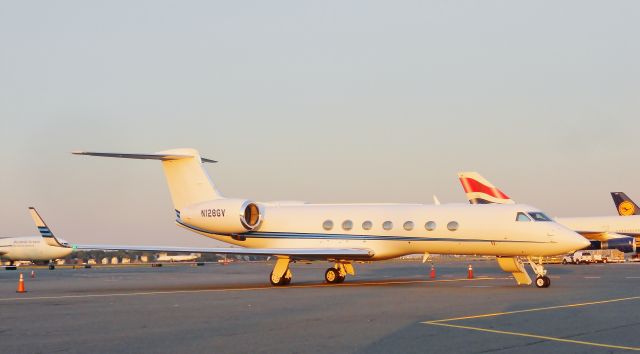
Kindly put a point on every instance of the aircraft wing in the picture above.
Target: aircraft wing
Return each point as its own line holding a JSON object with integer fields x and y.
{"x": 294, "y": 253}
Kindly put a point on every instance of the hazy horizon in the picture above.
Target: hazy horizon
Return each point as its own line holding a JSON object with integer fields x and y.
{"x": 321, "y": 102}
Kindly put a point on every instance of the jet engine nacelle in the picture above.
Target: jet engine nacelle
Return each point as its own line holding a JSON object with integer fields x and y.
{"x": 223, "y": 216}
{"x": 618, "y": 242}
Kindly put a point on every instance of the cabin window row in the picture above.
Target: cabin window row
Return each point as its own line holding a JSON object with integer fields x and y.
{"x": 347, "y": 225}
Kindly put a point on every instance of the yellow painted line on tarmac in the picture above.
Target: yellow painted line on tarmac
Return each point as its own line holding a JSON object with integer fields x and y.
{"x": 534, "y": 310}
{"x": 520, "y": 334}
{"x": 555, "y": 339}
{"x": 323, "y": 285}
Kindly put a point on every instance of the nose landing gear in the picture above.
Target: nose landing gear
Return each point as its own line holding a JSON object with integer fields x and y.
{"x": 542, "y": 280}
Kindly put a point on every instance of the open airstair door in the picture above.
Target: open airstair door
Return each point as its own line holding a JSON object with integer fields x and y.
{"x": 515, "y": 266}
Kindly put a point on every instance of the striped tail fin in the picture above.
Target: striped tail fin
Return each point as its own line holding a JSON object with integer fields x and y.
{"x": 624, "y": 204}
{"x": 45, "y": 232}
{"x": 481, "y": 191}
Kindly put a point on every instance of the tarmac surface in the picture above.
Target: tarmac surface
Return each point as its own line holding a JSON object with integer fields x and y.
{"x": 387, "y": 307}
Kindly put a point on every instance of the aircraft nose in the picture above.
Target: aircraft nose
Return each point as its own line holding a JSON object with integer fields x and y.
{"x": 575, "y": 241}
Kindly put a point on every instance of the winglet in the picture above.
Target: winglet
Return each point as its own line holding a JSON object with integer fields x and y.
{"x": 481, "y": 191}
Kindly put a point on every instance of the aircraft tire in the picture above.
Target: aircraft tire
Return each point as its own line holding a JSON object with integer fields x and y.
{"x": 332, "y": 276}
{"x": 283, "y": 281}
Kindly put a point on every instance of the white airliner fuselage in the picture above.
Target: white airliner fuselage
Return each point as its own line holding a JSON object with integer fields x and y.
{"x": 30, "y": 248}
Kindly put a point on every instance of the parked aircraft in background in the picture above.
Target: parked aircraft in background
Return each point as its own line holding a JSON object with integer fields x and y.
{"x": 604, "y": 232}
{"x": 45, "y": 247}
{"x": 624, "y": 205}
{"x": 344, "y": 233}
{"x": 177, "y": 257}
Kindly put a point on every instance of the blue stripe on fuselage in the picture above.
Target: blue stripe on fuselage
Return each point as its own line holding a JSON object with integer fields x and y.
{"x": 320, "y": 236}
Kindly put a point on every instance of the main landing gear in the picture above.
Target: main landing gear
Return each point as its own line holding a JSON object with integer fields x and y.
{"x": 338, "y": 273}
{"x": 542, "y": 280}
{"x": 333, "y": 276}
{"x": 281, "y": 274}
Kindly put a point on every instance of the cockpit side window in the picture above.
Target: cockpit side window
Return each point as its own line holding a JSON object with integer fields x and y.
{"x": 522, "y": 217}
{"x": 538, "y": 216}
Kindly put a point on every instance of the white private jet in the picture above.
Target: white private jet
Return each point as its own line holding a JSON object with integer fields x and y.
{"x": 45, "y": 247}
{"x": 604, "y": 232}
{"x": 344, "y": 233}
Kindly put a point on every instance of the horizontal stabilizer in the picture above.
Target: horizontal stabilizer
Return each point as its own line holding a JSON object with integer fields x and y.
{"x": 156, "y": 156}
{"x": 294, "y": 253}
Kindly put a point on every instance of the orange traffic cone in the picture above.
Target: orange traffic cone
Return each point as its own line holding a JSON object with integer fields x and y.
{"x": 21, "y": 285}
{"x": 432, "y": 275}
{"x": 33, "y": 274}
{"x": 470, "y": 272}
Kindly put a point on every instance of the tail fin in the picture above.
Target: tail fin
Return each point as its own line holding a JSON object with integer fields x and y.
{"x": 481, "y": 191}
{"x": 46, "y": 233}
{"x": 624, "y": 204}
{"x": 188, "y": 182}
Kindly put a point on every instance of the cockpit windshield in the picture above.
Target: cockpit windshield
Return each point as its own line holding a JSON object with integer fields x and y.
{"x": 538, "y": 216}
{"x": 522, "y": 217}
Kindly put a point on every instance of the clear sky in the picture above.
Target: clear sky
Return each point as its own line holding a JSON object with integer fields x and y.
{"x": 333, "y": 101}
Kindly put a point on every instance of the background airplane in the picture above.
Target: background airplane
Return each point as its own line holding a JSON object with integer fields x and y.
{"x": 45, "y": 247}
{"x": 604, "y": 232}
{"x": 624, "y": 205}
{"x": 344, "y": 233}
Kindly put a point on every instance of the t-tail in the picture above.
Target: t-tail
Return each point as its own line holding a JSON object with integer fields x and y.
{"x": 481, "y": 191}
{"x": 187, "y": 181}
{"x": 624, "y": 204}
{"x": 44, "y": 230}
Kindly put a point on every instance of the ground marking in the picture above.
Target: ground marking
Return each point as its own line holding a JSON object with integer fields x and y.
{"x": 537, "y": 336}
{"x": 442, "y": 323}
{"x": 245, "y": 289}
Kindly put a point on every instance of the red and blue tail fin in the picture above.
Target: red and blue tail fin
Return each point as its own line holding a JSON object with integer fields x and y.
{"x": 481, "y": 191}
{"x": 624, "y": 204}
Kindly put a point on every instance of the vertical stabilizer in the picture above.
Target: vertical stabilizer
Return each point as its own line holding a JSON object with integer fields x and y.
{"x": 481, "y": 191}
{"x": 44, "y": 230}
{"x": 624, "y": 205}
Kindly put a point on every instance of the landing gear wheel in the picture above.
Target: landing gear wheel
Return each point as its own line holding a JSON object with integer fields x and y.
{"x": 543, "y": 281}
{"x": 332, "y": 276}
{"x": 341, "y": 278}
{"x": 284, "y": 280}
{"x": 287, "y": 277}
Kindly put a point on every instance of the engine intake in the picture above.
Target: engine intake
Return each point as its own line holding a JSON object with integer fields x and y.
{"x": 223, "y": 216}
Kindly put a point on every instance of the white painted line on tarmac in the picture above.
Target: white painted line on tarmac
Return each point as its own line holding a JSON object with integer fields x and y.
{"x": 592, "y": 277}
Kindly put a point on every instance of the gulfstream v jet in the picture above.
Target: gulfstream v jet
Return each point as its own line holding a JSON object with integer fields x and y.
{"x": 344, "y": 233}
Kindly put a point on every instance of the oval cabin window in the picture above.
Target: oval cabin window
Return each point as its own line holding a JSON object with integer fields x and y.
{"x": 387, "y": 225}
{"x": 430, "y": 225}
{"x": 408, "y": 225}
{"x": 452, "y": 226}
{"x": 327, "y": 225}
{"x": 347, "y": 225}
